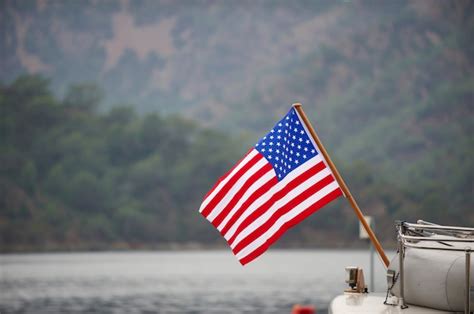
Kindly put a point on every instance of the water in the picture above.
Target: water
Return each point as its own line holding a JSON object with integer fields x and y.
{"x": 175, "y": 282}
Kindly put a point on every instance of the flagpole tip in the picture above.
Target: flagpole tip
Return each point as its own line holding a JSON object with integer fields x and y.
{"x": 297, "y": 104}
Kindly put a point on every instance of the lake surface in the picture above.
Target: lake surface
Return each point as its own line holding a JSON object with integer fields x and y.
{"x": 175, "y": 282}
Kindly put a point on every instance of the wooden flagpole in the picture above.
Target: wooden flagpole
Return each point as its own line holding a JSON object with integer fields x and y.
{"x": 343, "y": 185}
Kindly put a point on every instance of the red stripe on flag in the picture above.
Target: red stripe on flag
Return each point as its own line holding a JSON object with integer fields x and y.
{"x": 219, "y": 195}
{"x": 256, "y": 195}
{"x": 281, "y": 211}
{"x": 310, "y": 210}
{"x": 277, "y": 196}
{"x": 237, "y": 196}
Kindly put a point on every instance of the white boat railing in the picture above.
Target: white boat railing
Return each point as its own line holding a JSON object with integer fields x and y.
{"x": 410, "y": 234}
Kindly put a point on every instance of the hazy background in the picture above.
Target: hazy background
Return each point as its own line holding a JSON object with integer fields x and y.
{"x": 118, "y": 116}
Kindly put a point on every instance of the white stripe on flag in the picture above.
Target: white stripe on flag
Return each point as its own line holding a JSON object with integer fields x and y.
{"x": 287, "y": 217}
{"x": 252, "y": 154}
{"x": 258, "y": 184}
{"x": 280, "y": 203}
{"x": 235, "y": 189}
{"x": 265, "y": 197}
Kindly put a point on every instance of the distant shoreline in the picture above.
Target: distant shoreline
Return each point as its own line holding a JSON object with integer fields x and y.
{"x": 189, "y": 246}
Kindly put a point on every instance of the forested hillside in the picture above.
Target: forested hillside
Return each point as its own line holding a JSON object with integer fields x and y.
{"x": 118, "y": 116}
{"x": 72, "y": 177}
{"x": 75, "y": 178}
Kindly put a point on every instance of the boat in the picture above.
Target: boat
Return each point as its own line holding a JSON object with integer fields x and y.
{"x": 431, "y": 273}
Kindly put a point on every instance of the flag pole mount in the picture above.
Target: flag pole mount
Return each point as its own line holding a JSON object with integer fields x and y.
{"x": 298, "y": 107}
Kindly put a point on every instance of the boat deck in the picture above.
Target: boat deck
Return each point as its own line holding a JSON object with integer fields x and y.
{"x": 349, "y": 303}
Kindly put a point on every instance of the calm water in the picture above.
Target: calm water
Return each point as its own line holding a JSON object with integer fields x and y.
{"x": 174, "y": 282}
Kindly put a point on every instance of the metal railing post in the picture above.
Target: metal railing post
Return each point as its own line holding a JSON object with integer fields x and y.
{"x": 401, "y": 253}
{"x": 467, "y": 305}
{"x": 372, "y": 278}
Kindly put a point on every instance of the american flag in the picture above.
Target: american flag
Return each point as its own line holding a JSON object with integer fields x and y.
{"x": 282, "y": 180}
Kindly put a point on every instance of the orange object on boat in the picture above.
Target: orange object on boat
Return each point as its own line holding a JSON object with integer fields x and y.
{"x": 303, "y": 309}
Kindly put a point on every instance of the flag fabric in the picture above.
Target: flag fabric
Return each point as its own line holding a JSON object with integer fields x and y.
{"x": 282, "y": 180}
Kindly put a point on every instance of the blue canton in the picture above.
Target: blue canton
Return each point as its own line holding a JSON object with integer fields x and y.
{"x": 287, "y": 146}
